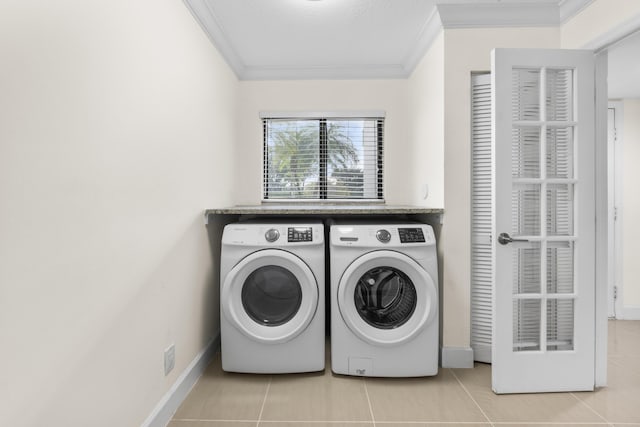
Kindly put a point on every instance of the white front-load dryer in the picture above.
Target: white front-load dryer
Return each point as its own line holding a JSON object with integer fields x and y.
{"x": 272, "y": 311}
{"x": 384, "y": 299}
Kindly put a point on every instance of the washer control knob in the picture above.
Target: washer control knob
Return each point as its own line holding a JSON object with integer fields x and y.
{"x": 383, "y": 235}
{"x": 272, "y": 235}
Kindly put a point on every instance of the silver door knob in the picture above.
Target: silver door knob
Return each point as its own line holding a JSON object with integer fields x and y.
{"x": 504, "y": 239}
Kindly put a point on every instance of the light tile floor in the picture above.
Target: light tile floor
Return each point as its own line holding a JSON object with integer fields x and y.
{"x": 453, "y": 397}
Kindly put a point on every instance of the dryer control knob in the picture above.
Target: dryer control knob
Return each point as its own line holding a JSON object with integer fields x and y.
{"x": 383, "y": 235}
{"x": 272, "y": 235}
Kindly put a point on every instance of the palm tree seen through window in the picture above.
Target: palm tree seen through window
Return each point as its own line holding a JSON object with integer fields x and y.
{"x": 323, "y": 158}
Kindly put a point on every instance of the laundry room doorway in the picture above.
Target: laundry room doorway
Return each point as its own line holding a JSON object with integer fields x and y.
{"x": 624, "y": 154}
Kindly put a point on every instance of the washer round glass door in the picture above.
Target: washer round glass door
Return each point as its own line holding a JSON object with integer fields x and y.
{"x": 270, "y": 296}
{"x": 386, "y": 298}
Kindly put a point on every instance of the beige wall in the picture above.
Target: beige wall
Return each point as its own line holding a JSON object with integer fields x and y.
{"x": 116, "y": 126}
{"x": 631, "y": 203}
{"x": 426, "y": 127}
{"x": 465, "y": 51}
{"x": 323, "y": 95}
{"x": 597, "y": 20}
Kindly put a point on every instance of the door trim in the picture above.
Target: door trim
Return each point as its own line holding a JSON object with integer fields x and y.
{"x": 616, "y": 214}
{"x": 602, "y": 218}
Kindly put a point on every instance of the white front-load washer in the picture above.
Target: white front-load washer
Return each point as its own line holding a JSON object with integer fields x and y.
{"x": 272, "y": 311}
{"x": 384, "y": 299}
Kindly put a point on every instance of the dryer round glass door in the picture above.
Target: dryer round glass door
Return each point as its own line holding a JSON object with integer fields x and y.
{"x": 270, "y": 296}
{"x": 386, "y": 298}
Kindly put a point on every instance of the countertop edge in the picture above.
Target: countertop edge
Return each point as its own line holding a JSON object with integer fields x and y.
{"x": 322, "y": 209}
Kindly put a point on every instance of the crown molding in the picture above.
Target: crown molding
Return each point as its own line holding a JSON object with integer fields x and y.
{"x": 206, "y": 17}
{"x": 614, "y": 35}
{"x": 430, "y": 30}
{"x": 570, "y": 8}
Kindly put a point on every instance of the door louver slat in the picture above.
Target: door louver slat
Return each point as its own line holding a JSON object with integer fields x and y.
{"x": 481, "y": 222}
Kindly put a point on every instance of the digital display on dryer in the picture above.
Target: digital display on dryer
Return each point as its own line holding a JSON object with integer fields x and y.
{"x": 300, "y": 234}
{"x": 411, "y": 235}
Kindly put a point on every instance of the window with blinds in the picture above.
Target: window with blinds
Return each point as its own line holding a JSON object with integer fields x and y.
{"x": 322, "y": 158}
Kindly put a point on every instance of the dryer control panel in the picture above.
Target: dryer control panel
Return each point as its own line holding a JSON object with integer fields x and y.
{"x": 273, "y": 234}
{"x": 411, "y": 235}
{"x": 300, "y": 234}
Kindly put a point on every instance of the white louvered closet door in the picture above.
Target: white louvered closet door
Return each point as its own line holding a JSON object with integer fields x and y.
{"x": 481, "y": 218}
{"x": 544, "y": 224}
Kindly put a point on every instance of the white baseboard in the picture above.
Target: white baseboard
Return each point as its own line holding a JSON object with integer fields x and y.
{"x": 482, "y": 353}
{"x": 631, "y": 313}
{"x": 457, "y": 357}
{"x": 168, "y": 405}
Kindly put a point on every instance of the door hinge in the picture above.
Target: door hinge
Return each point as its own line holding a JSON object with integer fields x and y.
{"x": 615, "y": 292}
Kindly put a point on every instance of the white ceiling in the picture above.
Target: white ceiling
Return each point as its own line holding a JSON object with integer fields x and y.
{"x": 299, "y": 39}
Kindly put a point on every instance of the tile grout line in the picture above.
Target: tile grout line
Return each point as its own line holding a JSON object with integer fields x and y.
{"x": 296, "y": 422}
{"x": 381, "y": 423}
{"x": 621, "y": 365}
{"x": 366, "y": 392}
{"x": 614, "y": 361}
{"x": 211, "y": 420}
{"x": 264, "y": 401}
{"x": 471, "y": 397}
{"x": 549, "y": 423}
{"x": 591, "y": 409}
{"x": 427, "y": 423}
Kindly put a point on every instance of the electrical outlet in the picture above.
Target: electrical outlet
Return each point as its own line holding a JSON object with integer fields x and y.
{"x": 169, "y": 359}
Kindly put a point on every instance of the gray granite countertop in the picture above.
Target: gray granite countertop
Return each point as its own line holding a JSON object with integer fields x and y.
{"x": 322, "y": 209}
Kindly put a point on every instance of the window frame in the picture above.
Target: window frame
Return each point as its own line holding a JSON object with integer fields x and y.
{"x": 322, "y": 118}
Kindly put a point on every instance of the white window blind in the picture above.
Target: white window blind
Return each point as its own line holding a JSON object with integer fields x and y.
{"x": 323, "y": 158}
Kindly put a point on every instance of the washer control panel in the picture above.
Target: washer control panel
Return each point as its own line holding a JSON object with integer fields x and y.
{"x": 411, "y": 235}
{"x": 300, "y": 234}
